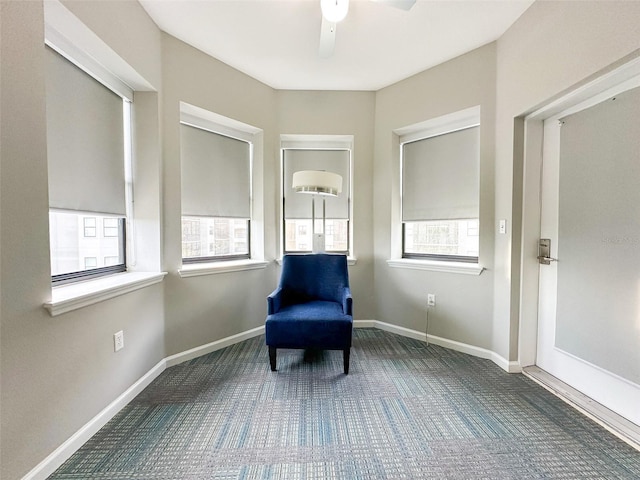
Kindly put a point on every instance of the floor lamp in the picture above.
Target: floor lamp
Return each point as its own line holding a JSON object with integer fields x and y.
{"x": 316, "y": 183}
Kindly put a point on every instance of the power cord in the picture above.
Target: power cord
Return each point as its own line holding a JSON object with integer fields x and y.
{"x": 426, "y": 328}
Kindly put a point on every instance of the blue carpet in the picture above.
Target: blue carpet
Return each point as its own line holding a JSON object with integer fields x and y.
{"x": 405, "y": 411}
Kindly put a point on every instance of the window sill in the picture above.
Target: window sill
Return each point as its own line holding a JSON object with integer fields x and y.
{"x": 213, "y": 268}
{"x": 433, "y": 266}
{"x": 67, "y": 298}
{"x": 350, "y": 261}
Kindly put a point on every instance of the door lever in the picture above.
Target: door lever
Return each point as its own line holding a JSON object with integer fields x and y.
{"x": 546, "y": 260}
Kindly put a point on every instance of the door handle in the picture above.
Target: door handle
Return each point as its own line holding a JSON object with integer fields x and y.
{"x": 544, "y": 252}
{"x": 546, "y": 260}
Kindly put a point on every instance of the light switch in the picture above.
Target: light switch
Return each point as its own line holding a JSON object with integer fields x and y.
{"x": 503, "y": 226}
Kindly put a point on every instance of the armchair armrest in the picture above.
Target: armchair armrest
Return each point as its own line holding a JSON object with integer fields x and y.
{"x": 347, "y": 301}
{"x": 274, "y": 300}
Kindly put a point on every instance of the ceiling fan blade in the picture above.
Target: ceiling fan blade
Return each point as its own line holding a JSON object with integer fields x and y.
{"x": 327, "y": 38}
{"x": 401, "y": 4}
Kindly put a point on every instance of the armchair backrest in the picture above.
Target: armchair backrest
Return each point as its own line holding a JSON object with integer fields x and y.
{"x": 317, "y": 276}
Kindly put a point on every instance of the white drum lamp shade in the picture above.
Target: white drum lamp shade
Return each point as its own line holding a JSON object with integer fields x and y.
{"x": 317, "y": 182}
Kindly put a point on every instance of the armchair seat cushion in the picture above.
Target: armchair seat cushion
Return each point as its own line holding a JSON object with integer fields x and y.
{"x": 313, "y": 324}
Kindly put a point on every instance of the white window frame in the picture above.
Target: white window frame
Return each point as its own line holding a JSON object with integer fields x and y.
{"x": 317, "y": 142}
{"x": 452, "y": 122}
{"x": 199, "y": 117}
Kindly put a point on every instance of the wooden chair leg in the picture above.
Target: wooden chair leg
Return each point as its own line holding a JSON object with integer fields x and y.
{"x": 272, "y": 358}
{"x": 345, "y": 356}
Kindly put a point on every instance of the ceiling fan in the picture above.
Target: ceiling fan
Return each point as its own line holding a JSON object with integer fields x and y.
{"x": 334, "y": 11}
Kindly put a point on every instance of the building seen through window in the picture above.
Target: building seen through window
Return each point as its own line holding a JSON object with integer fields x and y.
{"x": 83, "y": 242}
{"x": 206, "y": 237}
{"x": 299, "y": 235}
{"x": 444, "y": 237}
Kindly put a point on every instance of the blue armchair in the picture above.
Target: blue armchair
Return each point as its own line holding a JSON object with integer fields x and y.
{"x": 312, "y": 306}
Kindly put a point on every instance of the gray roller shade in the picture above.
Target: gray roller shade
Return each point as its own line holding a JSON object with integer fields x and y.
{"x": 216, "y": 174}
{"x": 440, "y": 177}
{"x": 85, "y": 140}
{"x": 298, "y": 205}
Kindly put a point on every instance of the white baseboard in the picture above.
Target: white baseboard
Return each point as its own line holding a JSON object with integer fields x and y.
{"x": 73, "y": 443}
{"x": 212, "y": 347}
{"x": 511, "y": 367}
{"x": 388, "y": 327}
{"x": 70, "y": 446}
{"x": 364, "y": 323}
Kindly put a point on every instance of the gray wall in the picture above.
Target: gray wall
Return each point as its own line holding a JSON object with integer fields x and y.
{"x": 210, "y": 307}
{"x": 342, "y": 113}
{"x": 464, "y": 82}
{"x": 207, "y": 308}
{"x": 551, "y": 49}
{"x": 58, "y": 373}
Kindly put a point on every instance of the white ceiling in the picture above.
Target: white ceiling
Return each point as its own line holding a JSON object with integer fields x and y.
{"x": 276, "y": 41}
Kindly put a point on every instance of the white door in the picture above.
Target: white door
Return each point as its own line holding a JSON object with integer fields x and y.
{"x": 589, "y": 294}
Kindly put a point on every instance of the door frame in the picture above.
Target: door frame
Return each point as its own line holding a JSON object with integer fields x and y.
{"x": 533, "y": 124}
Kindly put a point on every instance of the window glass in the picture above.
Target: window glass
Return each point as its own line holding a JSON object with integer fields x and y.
{"x": 110, "y": 227}
{"x": 89, "y": 226}
{"x": 444, "y": 237}
{"x": 211, "y": 238}
{"x": 90, "y": 262}
{"x": 73, "y": 251}
{"x": 298, "y": 235}
{"x": 110, "y": 261}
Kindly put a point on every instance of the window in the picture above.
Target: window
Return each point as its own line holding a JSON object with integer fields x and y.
{"x": 90, "y": 262}
{"x": 109, "y": 261}
{"x": 209, "y": 238}
{"x": 440, "y": 192}
{"x": 72, "y": 248}
{"x": 110, "y": 227}
{"x": 89, "y": 226}
{"x": 441, "y": 238}
{"x": 216, "y": 194}
{"x": 310, "y": 153}
{"x": 87, "y": 141}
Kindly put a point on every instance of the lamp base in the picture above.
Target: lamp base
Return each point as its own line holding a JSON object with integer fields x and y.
{"x": 318, "y": 243}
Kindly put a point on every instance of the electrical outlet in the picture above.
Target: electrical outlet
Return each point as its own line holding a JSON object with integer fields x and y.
{"x": 118, "y": 340}
{"x": 431, "y": 300}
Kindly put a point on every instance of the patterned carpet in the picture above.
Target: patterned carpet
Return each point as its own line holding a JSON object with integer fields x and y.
{"x": 405, "y": 411}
